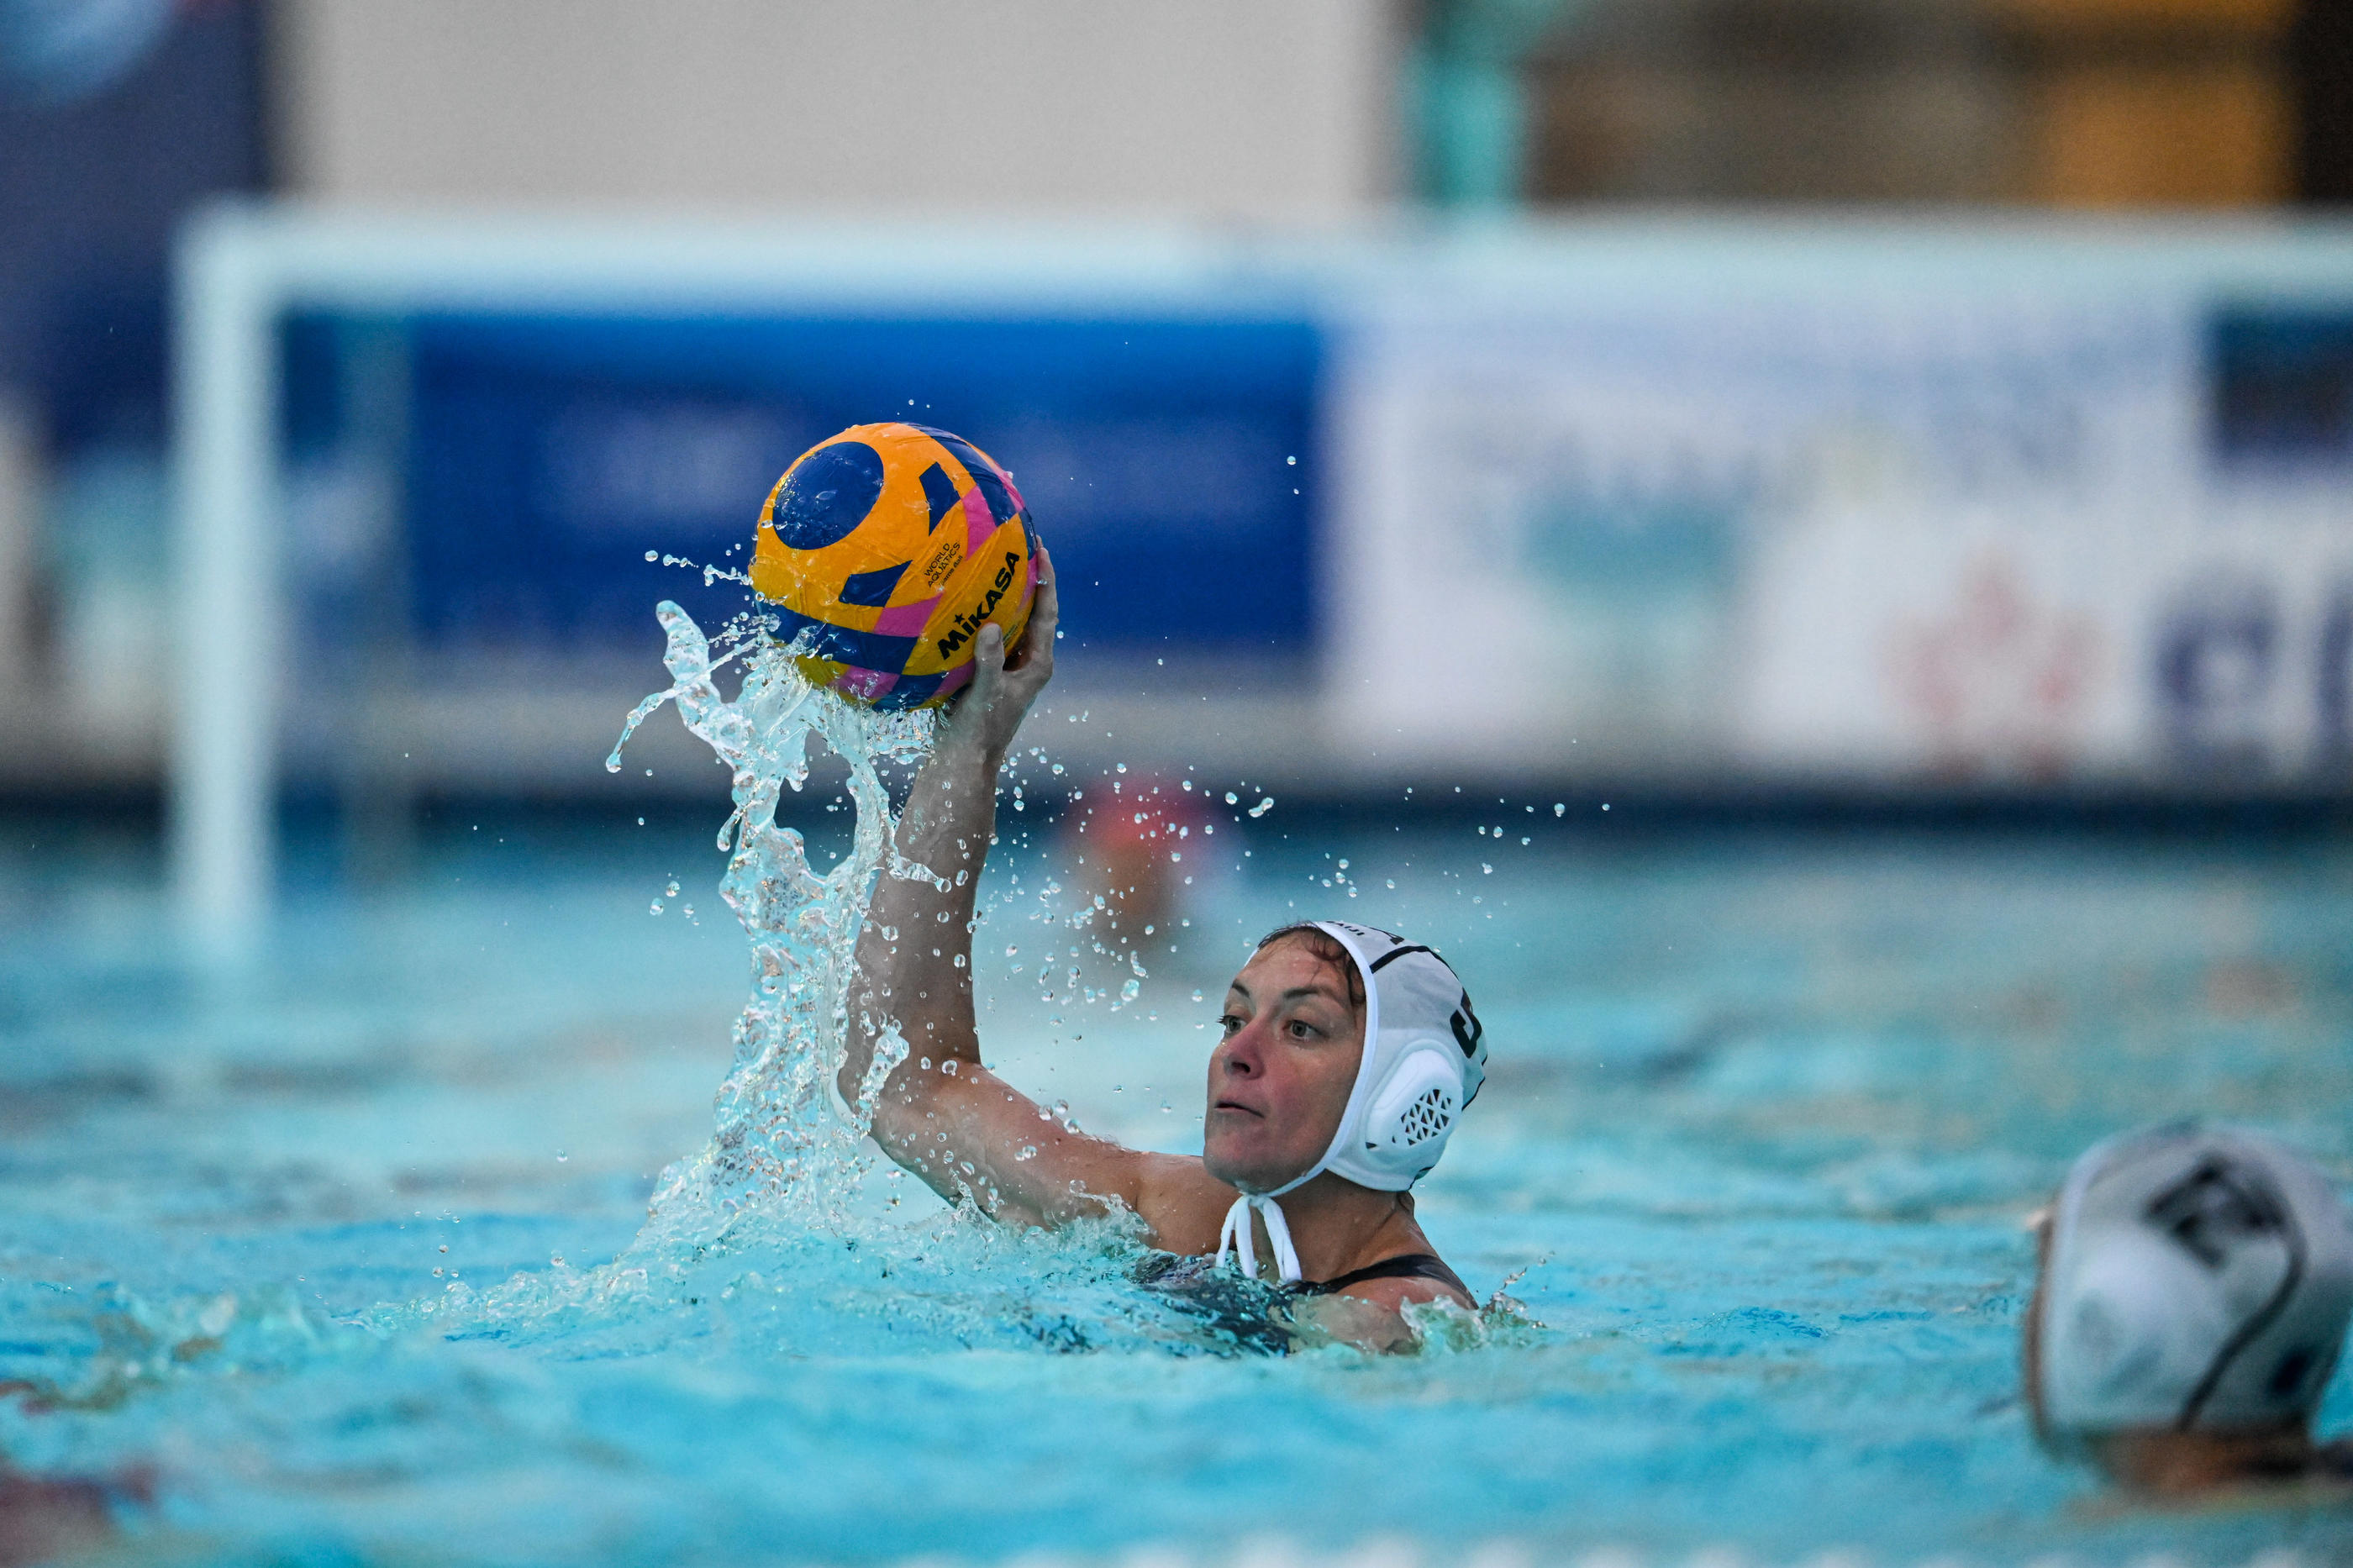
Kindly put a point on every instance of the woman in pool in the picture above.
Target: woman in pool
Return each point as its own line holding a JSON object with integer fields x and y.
{"x": 1348, "y": 1054}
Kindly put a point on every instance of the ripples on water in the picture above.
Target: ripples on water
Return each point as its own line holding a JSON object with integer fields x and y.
{"x": 1765, "y": 1112}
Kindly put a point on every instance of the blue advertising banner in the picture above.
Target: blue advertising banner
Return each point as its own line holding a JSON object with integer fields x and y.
{"x": 546, "y": 455}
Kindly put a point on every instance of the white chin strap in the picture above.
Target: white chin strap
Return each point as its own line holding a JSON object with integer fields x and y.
{"x": 1236, "y": 1238}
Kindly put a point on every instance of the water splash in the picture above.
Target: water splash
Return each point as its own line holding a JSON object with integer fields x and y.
{"x": 779, "y": 1140}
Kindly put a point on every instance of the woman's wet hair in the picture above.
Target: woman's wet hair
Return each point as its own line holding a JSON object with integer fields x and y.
{"x": 1324, "y": 945}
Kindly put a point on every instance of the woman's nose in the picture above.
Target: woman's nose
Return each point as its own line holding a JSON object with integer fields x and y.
{"x": 1242, "y": 1048}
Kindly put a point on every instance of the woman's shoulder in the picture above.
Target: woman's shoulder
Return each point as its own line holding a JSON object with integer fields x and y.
{"x": 1184, "y": 1205}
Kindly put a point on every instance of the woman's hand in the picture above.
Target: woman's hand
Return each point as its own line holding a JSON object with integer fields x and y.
{"x": 988, "y": 714}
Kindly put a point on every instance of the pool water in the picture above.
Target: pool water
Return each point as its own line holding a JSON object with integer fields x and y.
{"x": 311, "y": 1259}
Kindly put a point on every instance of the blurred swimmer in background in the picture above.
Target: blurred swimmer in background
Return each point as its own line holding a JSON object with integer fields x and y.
{"x": 1347, "y": 1057}
{"x": 2194, "y": 1289}
{"x": 1130, "y": 843}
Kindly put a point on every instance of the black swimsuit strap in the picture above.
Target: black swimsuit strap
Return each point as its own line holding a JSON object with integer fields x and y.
{"x": 1408, "y": 1266}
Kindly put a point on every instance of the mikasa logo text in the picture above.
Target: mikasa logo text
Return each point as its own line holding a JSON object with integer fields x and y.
{"x": 967, "y": 626}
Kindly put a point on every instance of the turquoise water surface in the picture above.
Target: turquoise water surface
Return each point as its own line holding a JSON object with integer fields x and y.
{"x": 312, "y": 1254}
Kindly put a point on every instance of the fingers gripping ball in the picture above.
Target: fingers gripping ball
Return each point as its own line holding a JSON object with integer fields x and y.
{"x": 886, "y": 549}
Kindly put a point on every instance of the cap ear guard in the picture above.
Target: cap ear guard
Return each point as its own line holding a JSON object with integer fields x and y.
{"x": 1412, "y": 1113}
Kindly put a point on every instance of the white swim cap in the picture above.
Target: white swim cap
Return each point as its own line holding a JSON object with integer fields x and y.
{"x": 2198, "y": 1278}
{"x": 1425, "y": 1058}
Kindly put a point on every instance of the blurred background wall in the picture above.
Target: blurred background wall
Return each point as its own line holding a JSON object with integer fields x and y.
{"x": 1682, "y": 568}
{"x": 1224, "y": 110}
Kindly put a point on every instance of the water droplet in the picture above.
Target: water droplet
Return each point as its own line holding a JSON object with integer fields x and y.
{"x": 656, "y": 908}
{"x": 1605, "y": 805}
{"x": 650, "y": 555}
{"x": 1486, "y": 869}
{"x": 1291, "y": 461}
{"x": 1559, "y": 809}
{"x": 1264, "y": 806}
{"x": 671, "y": 891}
{"x": 1026, "y": 1151}
{"x": 1011, "y": 950}
{"x": 1232, "y": 799}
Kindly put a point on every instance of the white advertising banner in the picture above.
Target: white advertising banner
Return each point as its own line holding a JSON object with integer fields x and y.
{"x": 1977, "y": 534}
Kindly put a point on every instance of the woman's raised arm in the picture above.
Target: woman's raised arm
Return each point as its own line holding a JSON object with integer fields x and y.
{"x": 938, "y": 1111}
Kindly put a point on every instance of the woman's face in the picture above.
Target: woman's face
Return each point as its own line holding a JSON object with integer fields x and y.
{"x": 1279, "y": 1082}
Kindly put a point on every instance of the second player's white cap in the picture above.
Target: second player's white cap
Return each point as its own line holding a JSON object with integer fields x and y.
{"x": 2199, "y": 1278}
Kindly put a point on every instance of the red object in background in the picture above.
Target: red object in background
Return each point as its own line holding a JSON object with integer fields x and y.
{"x": 2001, "y": 679}
{"x": 1137, "y": 845}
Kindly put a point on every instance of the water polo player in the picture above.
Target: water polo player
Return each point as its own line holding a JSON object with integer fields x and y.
{"x": 2194, "y": 1289}
{"x": 1348, "y": 1054}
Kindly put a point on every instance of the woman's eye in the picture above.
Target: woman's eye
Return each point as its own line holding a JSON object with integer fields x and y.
{"x": 1300, "y": 1030}
{"x": 1227, "y": 1022}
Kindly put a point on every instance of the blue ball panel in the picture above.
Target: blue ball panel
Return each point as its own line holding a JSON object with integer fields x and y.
{"x": 992, "y": 488}
{"x": 867, "y": 650}
{"x": 910, "y": 690}
{"x": 941, "y": 491}
{"x": 828, "y": 495}
{"x": 871, "y": 589}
